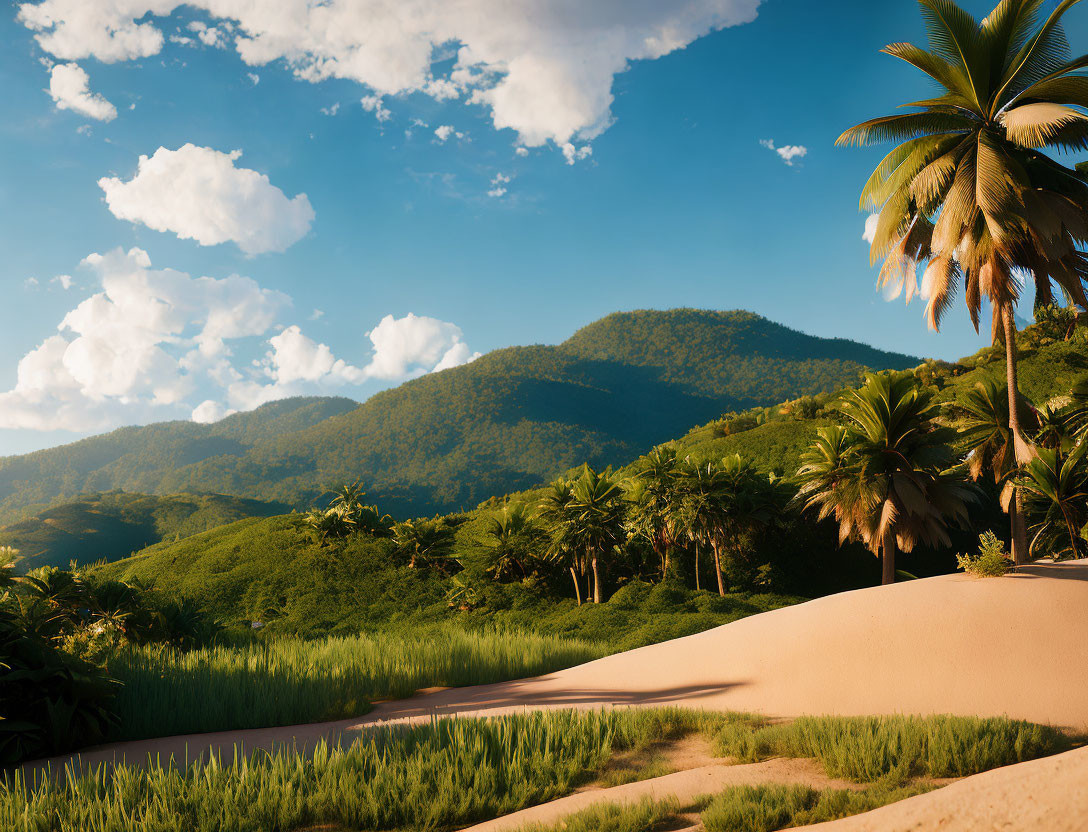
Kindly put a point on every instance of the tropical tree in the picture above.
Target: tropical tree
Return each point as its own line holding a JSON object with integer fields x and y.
{"x": 598, "y": 519}
{"x": 426, "y": 543}
{"x": 969, "y": 190}
{"x": 560, "y": 519}
{"x": 513, "y": 538}
{"x": 1056, "y": 485}
{"x": 655, "y": 503}
{"x": 348, "y": 495}
{"x": 882, "y": 476}
{"x": 984, "y": 424}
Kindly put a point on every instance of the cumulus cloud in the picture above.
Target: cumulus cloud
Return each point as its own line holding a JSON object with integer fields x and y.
{"x": 148, "y": 343}
{"x": 69, "y": 88}
{"x": 788, "y": 153}
{"x": 65, "y": 281}
{"x": 575, "y": 154}
{"x": 373, "y": 104}
{"x": 199, "y": 194}
{"x": 444, "y": 131}
{"x": 543, "y": 68}
{"x": 498, "y": 185}
{"x": 871, "y": 223}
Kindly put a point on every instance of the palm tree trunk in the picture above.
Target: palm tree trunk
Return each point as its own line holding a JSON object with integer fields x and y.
{"x": 1020, "y": 445}
{"x": 697, "y": 587}
{"x": 718, "y": 568}
{"x": 577, "y": 586}
{"x": 596, "y": 582}
{"x": 887, "y": 559}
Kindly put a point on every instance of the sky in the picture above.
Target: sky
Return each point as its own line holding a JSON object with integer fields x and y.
{"x": 211, "y": 205}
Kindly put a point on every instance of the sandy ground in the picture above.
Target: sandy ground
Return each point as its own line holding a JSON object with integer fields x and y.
{"x": 1048, "y": 795}
{"x": 683, "y": 786}
{"x": 1015, "y": 646}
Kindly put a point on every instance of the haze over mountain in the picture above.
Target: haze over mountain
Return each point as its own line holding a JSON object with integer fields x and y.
{"x": 509, "y": 420}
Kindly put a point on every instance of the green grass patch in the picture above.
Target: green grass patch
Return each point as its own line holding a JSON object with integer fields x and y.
{"x": 769, "y": 808}
{"x": 437, "y": 776}
{"x": 866, "y": 749}
{"x": 290, "y": 680}
{"x": 644, "y": 816}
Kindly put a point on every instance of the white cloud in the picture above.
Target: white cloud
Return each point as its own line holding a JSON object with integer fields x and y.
{"x": 199, "y": 194}
{"x": 575, "y": 154}
{"x": 31, "y": 282}
{"x": 68, "y": 86}
{"x": 209, "y": 35}
{"x": 373, "y": 104}
{"x": 149, "y": 343}
{"x": 543, "y": 68}
{"x": 871, "y": 223}
{"x": 331, "y": 111}
{"x": 210, "y": 411}
{"x": 128, "y": 351}
{"x": 65, "y": 281}
{"x": 521, "y": 151}
{"x": 498, "y": 184}
{"x": 254, "y": 78}
{"x": 444, "y": 131}
{"x": 787, "y": 153}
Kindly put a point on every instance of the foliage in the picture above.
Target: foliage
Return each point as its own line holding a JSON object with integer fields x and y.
{"x": 286, "y": 681}
{"x": 867, "y": 749}
{"x": 513, "y": 419}
{"x": 882, "y": 476}
{"x": 773, "y": 807}
{"x": 991, "y": 560}
{"x": 966, "y": 189}
{"x": 1056, "y": 486}
{"x": 114, "y": 525}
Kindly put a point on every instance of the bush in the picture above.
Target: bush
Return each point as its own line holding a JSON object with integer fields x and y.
{"x": 991, "y": 560}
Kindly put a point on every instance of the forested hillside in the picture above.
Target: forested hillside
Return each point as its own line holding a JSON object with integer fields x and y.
{"x": 510, "y": 420}
{"x": 113, "y": 525}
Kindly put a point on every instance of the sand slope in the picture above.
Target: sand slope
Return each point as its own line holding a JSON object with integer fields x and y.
{"x": 1015, "y": 646}
{"x": 1048, "y": 795}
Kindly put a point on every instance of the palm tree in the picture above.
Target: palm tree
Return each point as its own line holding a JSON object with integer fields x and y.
{"x": 349, "y": 496}
{"x": 558, "y": 515}
{"x": 511, "y": 535}
{"x": 1056, "y": 484}
{"x": 967, "y": 189}
{"x": 655, "y": 503}
{"x": 984, "y": 425}
{"x": 598, "y": 518}
{"x": 426, "y": 543}
{"x": 881, "y": 476}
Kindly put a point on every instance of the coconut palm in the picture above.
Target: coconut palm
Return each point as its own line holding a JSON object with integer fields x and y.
{"x": 512, "y": 538}
{"x": 983, "y": 413}
{"x": 968, "y": 190}
{"x": 560, "y": 519}
{"x": 882, "y": 475}
{"x": 426, "y": 543}
{"x": 598, "y": 519}
{"x": 655, "y": 503}
{"x": 1056, "y": 485}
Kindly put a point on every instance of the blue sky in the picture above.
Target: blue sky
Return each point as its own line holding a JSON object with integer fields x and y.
{"x": 678, "y": 204}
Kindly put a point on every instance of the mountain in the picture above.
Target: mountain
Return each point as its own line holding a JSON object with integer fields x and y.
{"x": 507, "y": 421}
{"x": 113, "y": 525}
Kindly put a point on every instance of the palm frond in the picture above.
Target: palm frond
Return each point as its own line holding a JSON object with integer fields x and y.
{"x": 904, "y": 126}
{"x": 1036, "y": 125}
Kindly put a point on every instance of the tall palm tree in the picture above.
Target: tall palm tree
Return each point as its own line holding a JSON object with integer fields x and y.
{"x": 598, "y": 509}
{"x": 968, "y": 189}
{"x": 512, "y": 536}
{"x": 881, "y": 475}
{"x": 557, "y": 513}
{"x": 655, "y": 502}
{"x": 1056, "y": 484}
{"x": 983, "y": 413}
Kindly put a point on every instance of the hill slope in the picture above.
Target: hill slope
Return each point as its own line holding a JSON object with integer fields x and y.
{"x": 510, "y": 420}
{"x": 111, "y": 526}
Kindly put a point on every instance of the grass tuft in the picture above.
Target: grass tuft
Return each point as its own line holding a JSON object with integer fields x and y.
{"x": 866, "y": 749}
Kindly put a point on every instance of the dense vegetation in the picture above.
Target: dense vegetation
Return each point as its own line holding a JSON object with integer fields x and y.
{"x": 113, "y": 525}
{"x": 512, "y": 419}
{"x": 450, "y": 773}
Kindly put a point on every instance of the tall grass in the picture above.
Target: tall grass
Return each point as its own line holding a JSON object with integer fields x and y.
{"x": 437, "y": 776}
{"x": 866, "y": 749}
{"x": 289, "y": 680}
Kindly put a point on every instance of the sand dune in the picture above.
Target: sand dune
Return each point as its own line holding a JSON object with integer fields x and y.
{"x": 1015, "y": 646}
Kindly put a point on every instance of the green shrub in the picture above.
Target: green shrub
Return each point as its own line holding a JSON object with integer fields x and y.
{"x": 991, "y": 560}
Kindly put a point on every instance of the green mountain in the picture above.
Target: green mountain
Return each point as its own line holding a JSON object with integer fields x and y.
{"x": 113, "y": 525}
{"x": 509, "y": 420}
